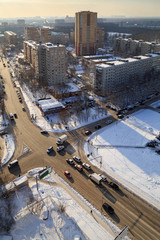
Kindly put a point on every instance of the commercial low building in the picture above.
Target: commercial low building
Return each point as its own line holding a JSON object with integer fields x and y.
{"x": 50, "y": 106}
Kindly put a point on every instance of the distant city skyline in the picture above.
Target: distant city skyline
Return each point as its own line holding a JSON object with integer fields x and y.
{"x": 104, "y": 8}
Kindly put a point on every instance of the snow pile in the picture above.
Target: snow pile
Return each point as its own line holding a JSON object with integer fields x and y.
{"x": 9, "y": 149}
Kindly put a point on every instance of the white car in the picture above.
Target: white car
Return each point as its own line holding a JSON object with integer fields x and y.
{"x": 103, "y": 177}
{"x": 86, "y": 166}
{"x": 60, "y": 148}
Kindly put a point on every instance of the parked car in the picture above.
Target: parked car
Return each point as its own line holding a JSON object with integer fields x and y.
{"x": 60, "y": 148}
{"x": 67, "y": 174}
{"x": 86, "y": 166}
{"x": 88, "y": 132}
{"x": 113, "y": 185}
{"x": 108, "y": 208}
{"x": 77, "y": 159}
{"x": 97, "y": 126}
{"x": 50, "y": 149}
{"x": 44, "y": 132}
{"x": 78, "y": 167}
{"x": 120, "y": 116}
{"x": 15, "y": 115}
{"x": 109, "y": 121}
{"x": 23, "y": 108}
{"x": 103, "y": 177}
{"x": 70, "y": 161}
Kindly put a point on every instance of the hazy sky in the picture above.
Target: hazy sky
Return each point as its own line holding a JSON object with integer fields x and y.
{"x": 128, "y": 8}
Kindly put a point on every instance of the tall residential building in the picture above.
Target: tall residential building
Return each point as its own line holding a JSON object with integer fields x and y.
{"x": 31, "y": 33}
{"x": 47, "y": 60}
{"x": 11, "y": 37}
{"x": 41, "y": 34}
{"x": 85, "y": 33}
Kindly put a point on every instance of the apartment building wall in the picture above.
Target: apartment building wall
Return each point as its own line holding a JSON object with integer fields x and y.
{"x": 55, "y": 63}
{"x": 85, "y": 33}
{"x": 11, "y": 37}
{"x": 100, "y": 37}
{"x": 135, "y": 47}
{"x": 31, "y": 33}
{"x": 110, "y": 75}
{"x": 47, "y": 60}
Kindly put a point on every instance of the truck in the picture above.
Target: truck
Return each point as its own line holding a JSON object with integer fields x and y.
{"x": 95, "y": 178}
{"x": 61, "y": 139}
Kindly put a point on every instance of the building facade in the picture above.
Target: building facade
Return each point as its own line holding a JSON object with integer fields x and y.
{"x": 130, "y": 47}
{"x": 47, "y": 60}
{"x": 110, "y": 75}
{"x": 11, "y": 37}
{"x": 85, "y": 33}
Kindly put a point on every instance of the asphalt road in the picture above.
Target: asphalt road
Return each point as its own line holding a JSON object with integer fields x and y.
{"x": 143, "y": 220}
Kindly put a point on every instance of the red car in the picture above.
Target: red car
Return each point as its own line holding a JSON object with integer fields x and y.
{"x": 88, "y": 132}
{"x": 78, "y": 167}
{"x": 67, "y": 174}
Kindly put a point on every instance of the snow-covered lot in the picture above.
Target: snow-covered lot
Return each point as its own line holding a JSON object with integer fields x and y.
{"x": 120, "y": 150}
{"x": 52, "y": 212}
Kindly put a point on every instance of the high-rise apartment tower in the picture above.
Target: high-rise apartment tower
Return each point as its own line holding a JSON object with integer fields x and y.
{"x": 85, "y": 33}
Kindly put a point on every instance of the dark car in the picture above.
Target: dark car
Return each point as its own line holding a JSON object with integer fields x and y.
{"x": 97, "y": 126}
{"x": 44, "y": 132}
{"x": 88, "y": 132}
{"x": 108, "y": 208}
{"x": 15, "y": 115}
{"x": 120, "y": 116}
{"x": 113, "y": 185}
{"x": 50, "y": 149}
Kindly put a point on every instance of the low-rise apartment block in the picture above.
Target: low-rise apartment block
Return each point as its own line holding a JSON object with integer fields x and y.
{"x": 130, "y": 47}
{"x": 109, "y": 76}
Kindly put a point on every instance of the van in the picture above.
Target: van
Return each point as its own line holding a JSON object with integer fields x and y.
{"x": 13, "y": 164}
{"x": 11, "y": 116}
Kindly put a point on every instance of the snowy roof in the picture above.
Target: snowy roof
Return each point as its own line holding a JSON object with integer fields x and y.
{"x": 20, "y": 180}
{"x": 49, "y": 103}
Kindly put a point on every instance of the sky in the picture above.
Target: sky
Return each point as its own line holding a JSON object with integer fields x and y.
{"x": 59, "y": 8}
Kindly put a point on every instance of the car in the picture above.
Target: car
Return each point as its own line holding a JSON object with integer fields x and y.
{"x": 70, "y": 161}
{"x": 109, "y": 121}
{"x": 44, "y": 132}
{"x": 103, "y": 177}
{"x": 60, "y": 148}
{"x": 158, "y": 151}
{"x": 120, "y": 116}
{"x": 88, "y": 132}
{"x": 23, "y": 109}
{"x": 86, "y": 166}
{"x": 67, "y": 174}
{"x": 113, "y": 185}
{"x": 78, "y": 167}
{"x": 77, "y": 159}
{"x": 108, "y": 208}
{"x": 97, "y": 126}
{"x": 50, "y": 149}
{"x": 15, "y": 115}
{"x": 20, "y": 100}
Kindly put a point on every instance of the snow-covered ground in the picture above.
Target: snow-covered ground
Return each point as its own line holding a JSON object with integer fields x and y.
{"x": 9, "y": 148}
{"x": 8, "y": 142}
{"x": 120, "y": 151}
{"x": 65, "y": 217}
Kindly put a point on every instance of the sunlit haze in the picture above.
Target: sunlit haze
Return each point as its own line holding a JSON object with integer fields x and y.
{"x": 105, "y": 8}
